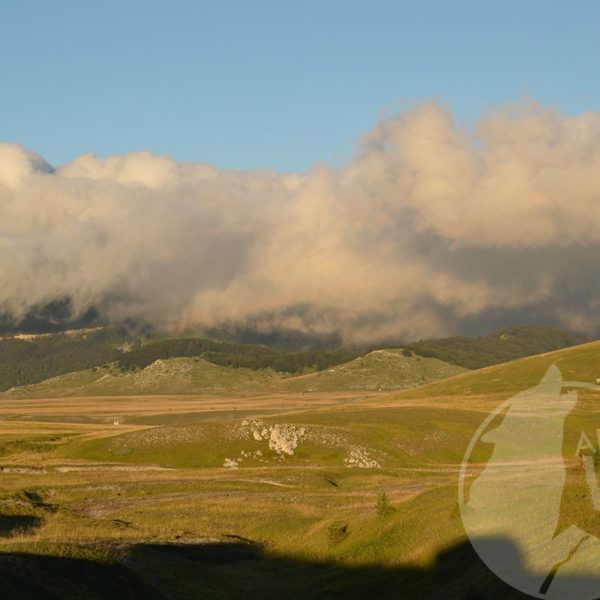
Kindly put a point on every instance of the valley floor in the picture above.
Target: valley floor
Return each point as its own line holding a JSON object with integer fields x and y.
{"x": 302, "y": 495}
{"x": 146, "y": 507}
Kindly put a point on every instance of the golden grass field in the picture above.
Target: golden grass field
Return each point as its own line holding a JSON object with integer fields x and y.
{"x": 332, "y": 495}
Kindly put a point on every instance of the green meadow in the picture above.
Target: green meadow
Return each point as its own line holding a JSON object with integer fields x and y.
{"x": 254, "y": 485}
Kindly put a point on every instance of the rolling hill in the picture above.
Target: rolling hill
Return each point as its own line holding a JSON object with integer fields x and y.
{"x": 500, "y": 346}
{"x": 29, "y": 359}
{"x": 381, "y": 370}
{"x": 170, "y": 376}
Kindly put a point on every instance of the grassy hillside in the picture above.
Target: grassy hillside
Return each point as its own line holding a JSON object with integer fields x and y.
{"x": 497, "y": 347}
{"x": 172, "y": 376}
{"x": 350, "y": 500}
{"x": 382, "y": 370}
{"x": 578, "y": 363}
{"x": 28, "y": 359}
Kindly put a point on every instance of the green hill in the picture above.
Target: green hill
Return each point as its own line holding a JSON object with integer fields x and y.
{"x": 27, "y": 359}
{"x": 31, "y": 359}
{"x": 497, "y": 347}
{"x": 577, "y": 363}
{"x": 378, "y": 370}
{"x": 382, "y": 370}
{"x": 171, "y": 376}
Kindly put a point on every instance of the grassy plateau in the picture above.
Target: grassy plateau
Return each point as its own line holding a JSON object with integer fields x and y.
{"x": 186, "y": 479}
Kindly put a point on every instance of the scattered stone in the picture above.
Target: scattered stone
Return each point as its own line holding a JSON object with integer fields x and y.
{"x": 359, "y": 458}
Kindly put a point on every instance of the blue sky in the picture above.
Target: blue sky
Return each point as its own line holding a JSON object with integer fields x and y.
{"x": 281, "y": 85}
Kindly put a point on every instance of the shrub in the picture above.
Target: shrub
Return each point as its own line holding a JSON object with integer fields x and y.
{"x": 383, "y": 508}
{"x": 337, "y": 532}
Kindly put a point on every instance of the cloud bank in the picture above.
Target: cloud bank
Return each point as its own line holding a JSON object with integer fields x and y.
{"x": 430, "y": 229}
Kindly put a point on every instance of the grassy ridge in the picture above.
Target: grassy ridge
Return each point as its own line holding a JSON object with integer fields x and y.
{"x": 380, "y": 370}
{"x": 172, "y": 376}
{"x": 578, "y": 363}
{"x": 501, "y": 346}
{"x": 383, "y": 370}
{"x": 31, "y": 359}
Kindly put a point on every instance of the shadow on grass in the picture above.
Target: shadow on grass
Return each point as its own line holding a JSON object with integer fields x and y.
{"x": 37, "y": 576}
{"x": 11, "y": 525}
{"x": 241, "y": 570}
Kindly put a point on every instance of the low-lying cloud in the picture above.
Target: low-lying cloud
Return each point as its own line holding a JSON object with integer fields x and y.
{"x": 430, "y": 229}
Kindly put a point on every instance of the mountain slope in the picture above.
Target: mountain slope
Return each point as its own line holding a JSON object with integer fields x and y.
{"x": 26, "y": 359}
{"x": 389, "y": 369}
{"x": 577, "y": 363}
{"x": 172, "y": 376}
{"x": 378, "y": 370}
{"x": 497, "y": 347}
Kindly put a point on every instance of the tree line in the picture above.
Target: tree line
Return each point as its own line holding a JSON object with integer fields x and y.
{"x": 232, "y": 354}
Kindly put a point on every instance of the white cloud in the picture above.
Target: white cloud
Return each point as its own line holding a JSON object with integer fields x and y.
{"x": 429, "y": 229}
